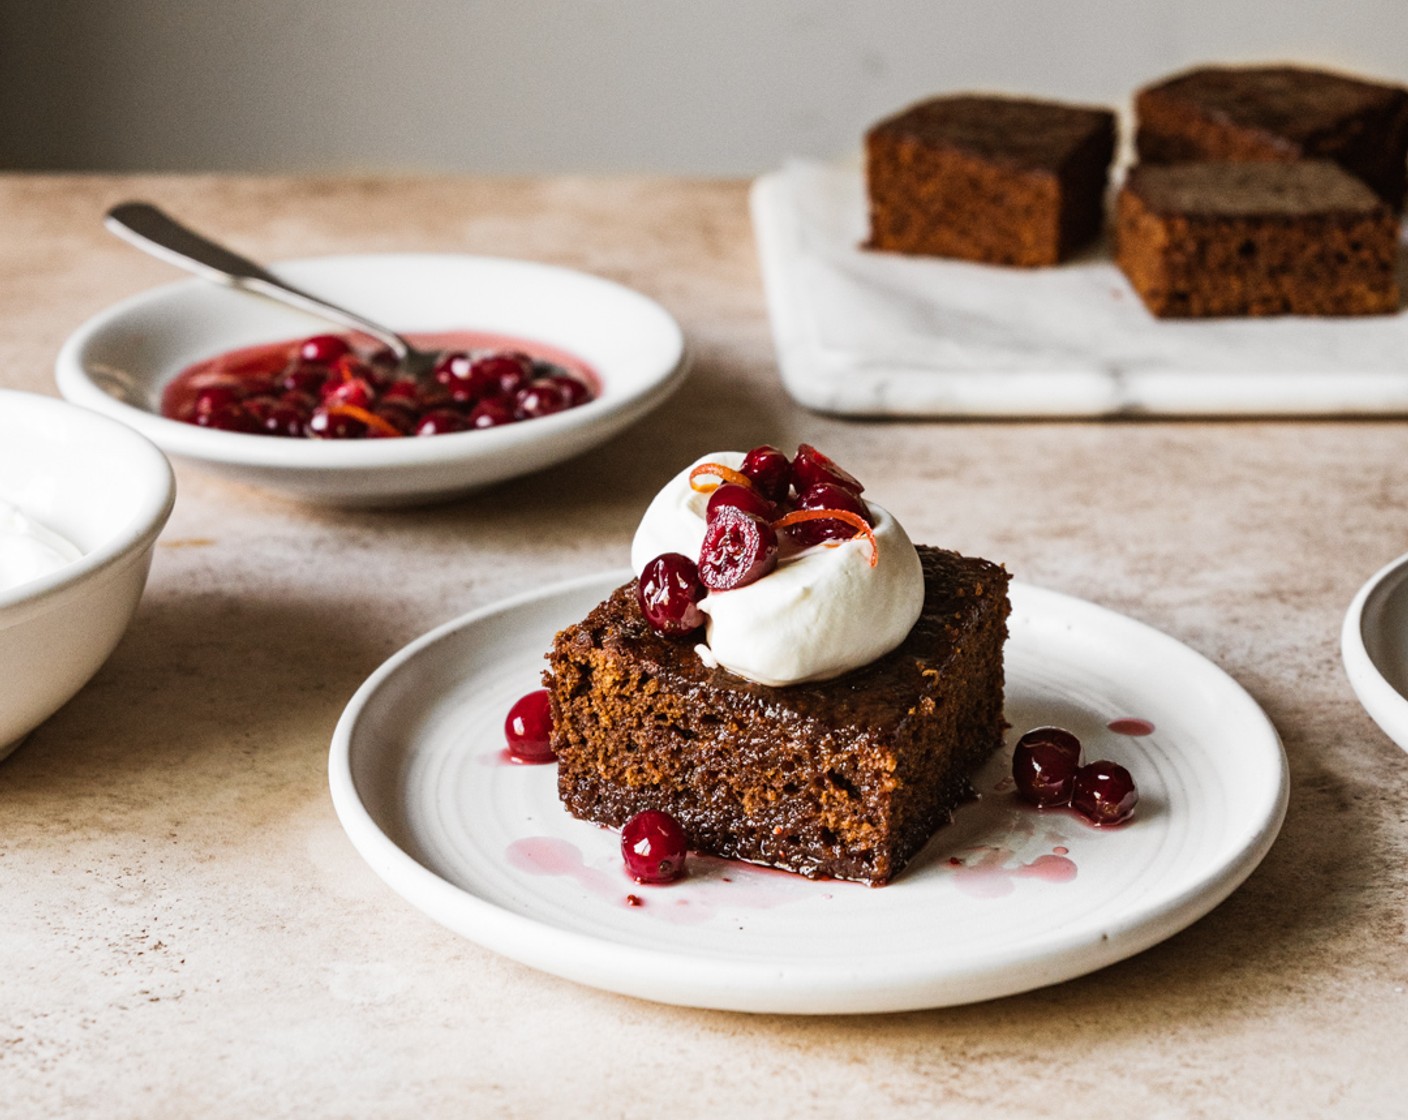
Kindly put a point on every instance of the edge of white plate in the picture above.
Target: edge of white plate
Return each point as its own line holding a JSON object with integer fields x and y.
{"x": 1387, "y": 707}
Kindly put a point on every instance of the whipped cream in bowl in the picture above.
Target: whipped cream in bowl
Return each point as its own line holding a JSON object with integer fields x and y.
{"x": 823, "y": 611}
{"x": 29, "y": 549}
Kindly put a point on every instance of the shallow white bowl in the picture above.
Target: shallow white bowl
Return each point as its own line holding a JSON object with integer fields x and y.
{"x": 118, "y": 362}
{"x": 1374, "y": 645}
{"x": 107, "y": 490}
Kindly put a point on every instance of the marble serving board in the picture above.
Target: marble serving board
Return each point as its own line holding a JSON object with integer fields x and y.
{"x": 877, "y": 334}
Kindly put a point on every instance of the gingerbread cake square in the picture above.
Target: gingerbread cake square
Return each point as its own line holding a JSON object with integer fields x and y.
{"x": 1210, "y": 239}
{"x": 1278, "y": 114}
{"x": 846, "y": 778}
{"x": 992, "y": 179}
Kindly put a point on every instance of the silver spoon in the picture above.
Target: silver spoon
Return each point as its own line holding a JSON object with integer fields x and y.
{"x": 156, "y": 232}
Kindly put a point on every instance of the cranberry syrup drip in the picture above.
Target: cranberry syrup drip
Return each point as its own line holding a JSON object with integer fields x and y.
{"x": 1131, "y": 727}
{"x": 178, "y": 400}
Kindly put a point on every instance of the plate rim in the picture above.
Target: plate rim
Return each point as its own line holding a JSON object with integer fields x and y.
{"x": 1377, "y": 695}
{"x": 718, "y": 982}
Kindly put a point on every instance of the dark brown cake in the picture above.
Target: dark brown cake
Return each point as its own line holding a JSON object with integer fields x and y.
{"x": 846, "y": 778}
{"x": 1204, "y": 239}
{"x": 991, "y": 179}
{"x": 1278, "y": 113}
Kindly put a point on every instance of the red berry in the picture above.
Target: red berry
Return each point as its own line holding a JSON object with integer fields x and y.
{"x": 769, "y": 470}
{"x": 539, "y": 398}
{"x": 827, "y": 495}
{"x": 669, "y": 592}
{"x": 1044, "y": 765}
{"x": 323, "y": 424}
{"x": 528, "y": 728}
{"x": 492, "y": 413}
{"x": 438, "y": 421}
{"x": 505, "y": 372}
{"x": 739, "y": 497}
{"x": 322, "y": 349}
{"x": 653, "y": 846}
{"x": 1104, "y": 793}
{"x": 810, "y": 467}
{"x": 738, "y": 549}
{"x": 576, "y": 391}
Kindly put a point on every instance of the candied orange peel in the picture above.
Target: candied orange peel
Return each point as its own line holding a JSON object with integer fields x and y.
{"x": 718, "y": 471}
{"x": 854, "y": 520}
{"x": 367, "y": 417}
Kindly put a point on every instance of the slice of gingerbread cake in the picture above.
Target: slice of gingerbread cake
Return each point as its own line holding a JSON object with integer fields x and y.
{"x": 846, "y": 776}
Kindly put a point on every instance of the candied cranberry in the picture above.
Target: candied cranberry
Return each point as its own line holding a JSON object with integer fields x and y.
{"x": 528, "y": 728}
{"x": 323, "y": 424}
{"x": 539, "y": 398}
{"x": 400, "y": 414}
{"x": 1044, "y": 765}
{"x": 323, "y": 349}
{"x": 492, "y": 413}
{"x": 738, "y": 549}
{"x": 507, "y": 371}
{"x": 653, "y": 846}
{"x": 669, "y": 592}
{"x": 285, "y": 420}
{"x": 384, "y": 358}
{"x": 739, "y": 497}
{"x": 810, "y": 467}
{"x": 827, "y": 495}
{"x": 769, "y": 470}
{"x": 438, "y": 421}
{"x": 402, "y": 389}
{"x": 1104, "y": 793}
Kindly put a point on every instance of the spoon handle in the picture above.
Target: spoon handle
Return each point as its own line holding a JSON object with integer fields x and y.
{"x": 154, "y": 231}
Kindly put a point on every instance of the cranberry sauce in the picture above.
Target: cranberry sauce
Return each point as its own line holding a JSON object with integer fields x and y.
{"x": 333, "y": 386}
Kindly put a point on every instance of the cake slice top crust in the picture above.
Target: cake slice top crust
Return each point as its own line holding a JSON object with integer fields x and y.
{"x": 1013, "y": 132}
{"x": 1218, "y": 190}
{"x": 960, "y": 594}
{"x": 1293, "y": 102}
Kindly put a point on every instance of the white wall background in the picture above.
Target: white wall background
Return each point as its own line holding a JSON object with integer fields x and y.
{"x": 710, "y": 86}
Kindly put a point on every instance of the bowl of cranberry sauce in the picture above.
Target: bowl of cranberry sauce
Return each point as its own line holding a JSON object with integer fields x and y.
{"x": 535, "y": 364}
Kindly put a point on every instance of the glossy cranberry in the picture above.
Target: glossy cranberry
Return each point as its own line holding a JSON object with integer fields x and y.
{"x": 739, "y": 497}
{"x": 738, "y": 549}
{"x": 304, "y": 379}
{"x": 1104, "y": 793}
{"x": 354, "y": 391}
{"x": 323, "y": 424}
{"x": 438, "y": 421}
{"x": 528, "y": 728}
{"x": 304, "y": 402}
{"x": 575, "y": 391}
{"x": 228, "y": 418}
{"x": 402, "y": 389}
{"x": 810, "y": 467}
{"x": 769, "y": 470}
{"x": 323, "y": 349}
{"x": 285, "y": 420}
{"x": 492, "y": 413}
{"x": 1044, "y": 765}
{"x": 384, "y": 358}
{"x": 505, "y": 372}
{"x": 215, "y": 397}
{"x": 669, "y": 592}
{"x": 827, "y": 495}
{"x": 653, "y": 846}
{"x": 539, "y": 398}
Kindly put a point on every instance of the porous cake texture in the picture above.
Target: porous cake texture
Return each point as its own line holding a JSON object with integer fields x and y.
{"x": 992, "y": 179}
{"x": 1213, "y": 239}
{"x": 846, "y": 778}
{"x": 1278, "y": 114}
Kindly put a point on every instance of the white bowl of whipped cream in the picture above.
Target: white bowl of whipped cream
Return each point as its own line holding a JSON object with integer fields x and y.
{"x": 82, "y": 501}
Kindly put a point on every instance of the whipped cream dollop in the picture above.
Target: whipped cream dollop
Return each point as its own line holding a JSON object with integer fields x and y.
{"x": 822, "y": 612}
{"x": 28, "y": 549}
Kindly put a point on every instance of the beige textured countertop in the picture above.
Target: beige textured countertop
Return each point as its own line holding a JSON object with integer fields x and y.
{"x": 185, "y": 930}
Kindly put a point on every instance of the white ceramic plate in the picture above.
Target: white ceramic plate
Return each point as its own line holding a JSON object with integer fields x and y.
{"x": 483, "y": 846}
{"x": 118, "y": 362}
{"x": 1374, "y": 645}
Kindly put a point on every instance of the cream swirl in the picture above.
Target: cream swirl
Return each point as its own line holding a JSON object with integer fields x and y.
{"x": 821, "y": 613}
{"x": 28, "y": 549}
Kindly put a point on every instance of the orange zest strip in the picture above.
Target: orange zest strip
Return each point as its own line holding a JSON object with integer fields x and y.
{"x": 719, "y": 471}
{"x": 855, "y": 520}
{"x": 370, "y": 419}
